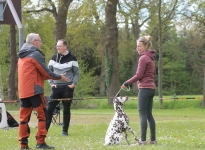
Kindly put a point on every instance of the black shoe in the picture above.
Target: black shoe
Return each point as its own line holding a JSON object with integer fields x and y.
{"x": 15, "y": 125}
{"x": 64, "y": 133}
{"x": 44, "y": 146}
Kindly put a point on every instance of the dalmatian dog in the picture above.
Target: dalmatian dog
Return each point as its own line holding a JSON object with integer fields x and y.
{"x": 119, "y": 124}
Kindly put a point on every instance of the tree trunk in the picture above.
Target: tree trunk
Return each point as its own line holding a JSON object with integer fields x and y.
{"x": 112, "y": 74}
{"x": 203, "y": 101}
{"x": 160, "y": 56}
{"x": 13, "y": 64}
{"x": 102, "y": 87}
{"x": 135, "y": 54}
{"x": 61, "y": 17}
{"x": 134, "y": 69}
{"x": 59, "y": 9}
{"x": 1, "y": 87}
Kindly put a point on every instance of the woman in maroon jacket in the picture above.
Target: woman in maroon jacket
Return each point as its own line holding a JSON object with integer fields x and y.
{"x": 145, "y": 78}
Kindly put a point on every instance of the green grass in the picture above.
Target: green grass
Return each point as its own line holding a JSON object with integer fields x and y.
{"x": 177, "y": 129}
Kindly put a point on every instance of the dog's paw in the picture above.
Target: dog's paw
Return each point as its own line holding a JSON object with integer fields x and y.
{"x": 106, "y": 144}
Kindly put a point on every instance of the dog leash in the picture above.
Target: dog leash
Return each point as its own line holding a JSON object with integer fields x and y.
{"x": 126, "y": 89}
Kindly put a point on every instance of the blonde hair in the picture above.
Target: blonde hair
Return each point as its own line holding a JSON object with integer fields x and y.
{"x": 146, "y": 40}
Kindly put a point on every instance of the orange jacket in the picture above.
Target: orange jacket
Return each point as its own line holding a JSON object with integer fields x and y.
{"x": 32, "y": 71}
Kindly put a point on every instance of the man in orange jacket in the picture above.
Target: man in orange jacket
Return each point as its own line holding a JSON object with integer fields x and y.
{"x": 32, "y": 71}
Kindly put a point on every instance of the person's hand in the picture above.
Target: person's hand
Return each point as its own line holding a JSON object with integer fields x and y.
{"x": 53, "y": 85}
{"x": 63, "y": 78}
{"x": 71, "y": 86}
{"x": 123, "y": 86}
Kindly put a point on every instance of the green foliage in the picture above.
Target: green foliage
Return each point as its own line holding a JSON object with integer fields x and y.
{"x": 85, "y": 34}
{"x": 193, "y": 46}
{"x": 5, "y": 57}
{"x": 44, "y": 28}
{"x": 175, "y": 76}
{"x": 127, "y": 50}
{"x": 86, "y": 87}
{"x": 182, "y": 39}
{"x": 87, "y": 84}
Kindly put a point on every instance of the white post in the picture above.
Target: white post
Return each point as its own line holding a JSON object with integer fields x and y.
{"x": 18, "y": 22}
{"x": 3, "y": 121}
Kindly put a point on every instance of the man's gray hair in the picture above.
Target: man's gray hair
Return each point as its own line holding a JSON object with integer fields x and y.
{"x": 31, "y": 37}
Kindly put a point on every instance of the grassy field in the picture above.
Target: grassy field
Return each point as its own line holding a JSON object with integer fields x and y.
{"x": 177, "y": 129}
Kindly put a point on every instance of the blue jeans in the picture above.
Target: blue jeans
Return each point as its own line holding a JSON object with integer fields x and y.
{"x": 145, "y": 103}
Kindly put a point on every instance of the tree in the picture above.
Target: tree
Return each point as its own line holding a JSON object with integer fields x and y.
{"x": 175, "y": 75}
{"x": 160, "y": 54}
{"x": 194, "y": 11}
{"x": 90, "y": 38}
{"x": 111, "y": 44}
{"x": 1, "y": 87}
{"x": 13, "y": 64}
{"x": 86, "y": 38}
{"x": 166, "y": 12}
{"x": 59, "y": 10}
{"x": 87, "y": 79}
{"x": 203, "y": 101}
{"x": 199, "y": 17}
{"x": 133, "y": 13}
{"x": 82, "y": 37}
{"x": 4, "y": 59}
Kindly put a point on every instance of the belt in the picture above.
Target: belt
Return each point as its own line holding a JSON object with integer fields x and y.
{"x": 61, "y": 86}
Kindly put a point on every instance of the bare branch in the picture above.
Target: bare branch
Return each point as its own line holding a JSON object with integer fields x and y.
{"x": 170, "y": 13}
{"x": 141, "y": 3}
{"x": 121, "y": 10}
{"x": 199, "y": 19}
{"x": 54, "y": 10}
{"x": 143, "y": 22}
{"x": 68, "y": 2}
{"x": 39, "y": 10}
{"x": 128, "y": 4}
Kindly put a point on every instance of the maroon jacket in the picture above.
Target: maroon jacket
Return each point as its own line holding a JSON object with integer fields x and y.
{"x": 145, "y": 71}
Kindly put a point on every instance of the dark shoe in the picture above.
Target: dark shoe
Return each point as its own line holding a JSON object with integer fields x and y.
{"x": 15, "y": 125}
{"x": 64, "y": 133}
{"x": 44, "y": 146}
